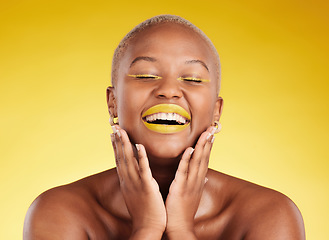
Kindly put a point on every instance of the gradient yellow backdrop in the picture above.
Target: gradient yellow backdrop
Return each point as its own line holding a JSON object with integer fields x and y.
{"x": 55, "y": 66}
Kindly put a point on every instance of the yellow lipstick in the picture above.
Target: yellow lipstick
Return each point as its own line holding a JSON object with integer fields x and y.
{"x": 167, "y": 109}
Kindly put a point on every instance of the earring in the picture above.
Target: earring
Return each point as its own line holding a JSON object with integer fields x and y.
{"x": 113, "y": 120}
{"x": 218, "y": 126}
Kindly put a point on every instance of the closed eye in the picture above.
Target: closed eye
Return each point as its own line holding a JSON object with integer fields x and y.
{"x": 145, "y": 76}
{"x": 193, "y": 79}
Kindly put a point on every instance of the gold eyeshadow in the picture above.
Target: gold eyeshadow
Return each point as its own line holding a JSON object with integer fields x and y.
{"x": 193, "y": 79}
{"x": 145, "y": 76}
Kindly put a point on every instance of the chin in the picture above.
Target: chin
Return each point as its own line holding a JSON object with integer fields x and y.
{"x": 166, "y": 150}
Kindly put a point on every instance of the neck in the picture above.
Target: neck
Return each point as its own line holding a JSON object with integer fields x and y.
{"x": 164, "y": 174}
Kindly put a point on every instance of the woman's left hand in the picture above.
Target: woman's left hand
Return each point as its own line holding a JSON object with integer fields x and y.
{"x": 186, "y": 189}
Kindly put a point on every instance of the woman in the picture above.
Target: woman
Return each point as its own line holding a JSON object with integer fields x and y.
{"x": 165, "y": 110}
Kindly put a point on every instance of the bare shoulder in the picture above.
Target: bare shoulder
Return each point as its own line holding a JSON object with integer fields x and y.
{"x": 261, "y": 213}
{"x": 67, "y": 211}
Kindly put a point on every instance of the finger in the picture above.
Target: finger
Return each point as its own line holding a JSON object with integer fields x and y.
{"x": 200, "y": 157}
{"x": 144, "y": 167}
{"x": 207, "y": 148}
{"x": 201, "y": 178}
{"x": 114, "y": 148}
{"x": 197, "y": 156}
{"x": 183, "y": 167}
{"x": 119, "y": 155}
{"x": 117, "y": 159}
{"x": 130, "y": 160}
{"x": 203, "y": 169}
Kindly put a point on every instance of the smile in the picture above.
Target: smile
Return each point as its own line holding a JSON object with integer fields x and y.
{"x": 166, "y": 118}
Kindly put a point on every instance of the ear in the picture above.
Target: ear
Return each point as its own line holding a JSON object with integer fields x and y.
{"x": 111, "y": 101}
{"x": 218, "y": 109}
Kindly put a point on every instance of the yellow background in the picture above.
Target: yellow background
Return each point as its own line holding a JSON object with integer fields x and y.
{"x": 55, "y": 67}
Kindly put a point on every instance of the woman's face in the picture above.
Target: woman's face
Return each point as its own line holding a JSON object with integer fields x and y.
{"x": 167, "y": 69}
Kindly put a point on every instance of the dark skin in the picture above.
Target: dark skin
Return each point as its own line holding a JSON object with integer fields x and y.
{"x": 162, "y": 190}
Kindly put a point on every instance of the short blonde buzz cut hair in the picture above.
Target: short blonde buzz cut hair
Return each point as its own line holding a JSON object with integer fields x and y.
{"x": 124, "y": 43}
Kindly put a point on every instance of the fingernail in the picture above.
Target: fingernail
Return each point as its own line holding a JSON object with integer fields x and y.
{"x": 192, "y": 151}
{"x": 209, "y": 135}
{"x": 114, "y": 129}
{"x": 137, "y": 147}
{"x": 213, "y": 130}
{"x": 119, "y": 134}
{"x": 219, "y": 127}
{"x": 206, "y": 179}
{"x": 213, "y": 139}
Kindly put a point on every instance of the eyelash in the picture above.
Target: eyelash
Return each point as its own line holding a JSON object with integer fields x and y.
{"x": 145, "y": 76}
{"x": 154, "y": 77}
{"x": 192, "y": 79}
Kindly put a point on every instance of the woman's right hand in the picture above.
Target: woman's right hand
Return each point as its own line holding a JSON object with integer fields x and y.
{"x": 139, "y": 189}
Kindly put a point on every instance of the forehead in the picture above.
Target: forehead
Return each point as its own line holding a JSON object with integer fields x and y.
{"x": 170, "y": 40}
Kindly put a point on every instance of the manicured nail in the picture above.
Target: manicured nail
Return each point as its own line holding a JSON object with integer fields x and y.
{"x": 114, "y": 129}
{"x": 205, "y": 180}
{"x": 213, "y": 139}
{"x": 213, "y": 130}
{"x": 119, "y": 134}
{"x": 208, "y": 136}
{"x": 219, "y": 127}
{"x": 192, "y": 151}
{"x": 137, "y": 147}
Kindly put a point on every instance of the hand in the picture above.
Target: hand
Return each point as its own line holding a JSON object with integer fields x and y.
{"x": 186, "y": 189}
{"x": 139, "y": 189}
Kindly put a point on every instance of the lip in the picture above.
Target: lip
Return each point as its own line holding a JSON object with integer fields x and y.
{"x": 166, "y": 108}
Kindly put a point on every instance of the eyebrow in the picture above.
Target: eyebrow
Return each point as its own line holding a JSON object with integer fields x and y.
{"x": 197, "y": 61}
{"x": 151, "y": 59}
{"x": 148, "y": 59}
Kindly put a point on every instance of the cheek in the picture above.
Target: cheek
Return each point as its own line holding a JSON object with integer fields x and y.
{"x": 130, "y": 102}
{"x": 202, "y": 106}
{"x": 203, "y": 110}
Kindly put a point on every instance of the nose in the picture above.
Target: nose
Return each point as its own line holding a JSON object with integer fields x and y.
{"x": 168, "y": 88}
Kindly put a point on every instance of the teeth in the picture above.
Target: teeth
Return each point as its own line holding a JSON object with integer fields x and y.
{"x": 165, "y": 116}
